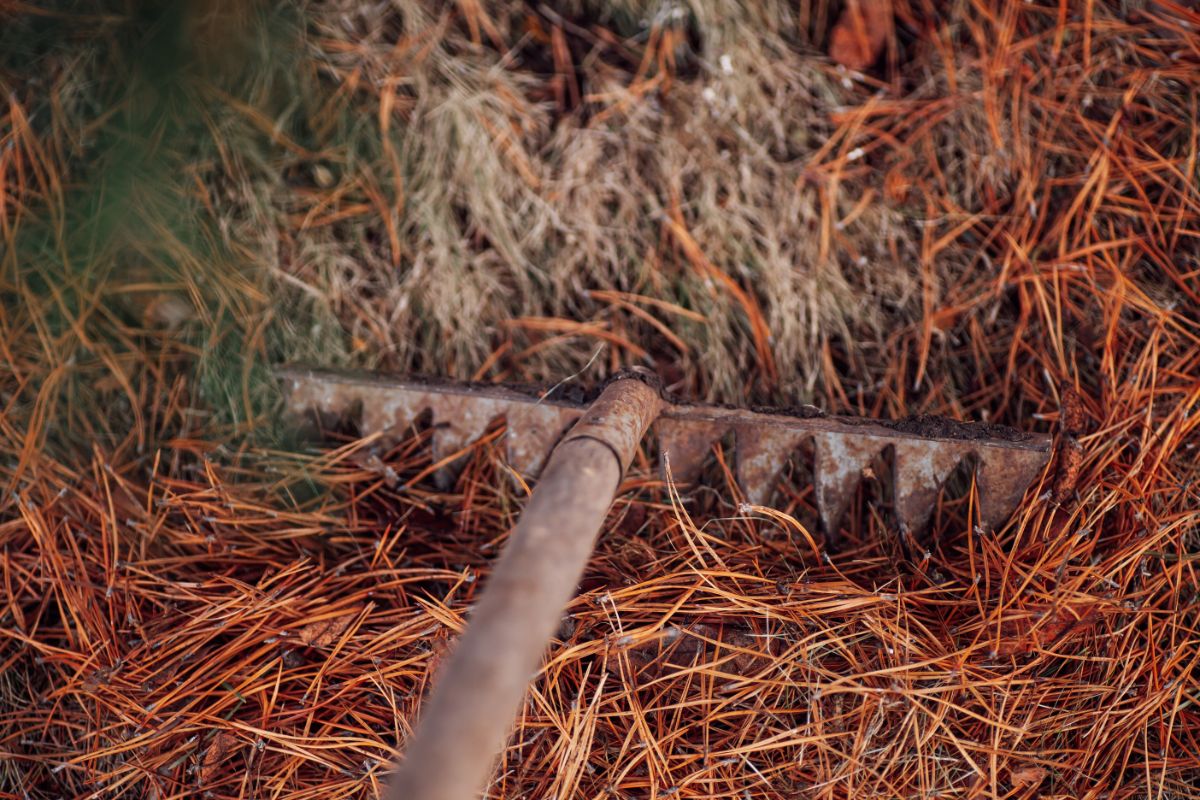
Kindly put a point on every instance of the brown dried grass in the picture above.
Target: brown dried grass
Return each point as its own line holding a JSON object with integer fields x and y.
{"x": 187, "y": 611}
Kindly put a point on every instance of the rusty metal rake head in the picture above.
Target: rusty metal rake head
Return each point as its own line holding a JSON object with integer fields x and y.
{"x": 925, "y": 450}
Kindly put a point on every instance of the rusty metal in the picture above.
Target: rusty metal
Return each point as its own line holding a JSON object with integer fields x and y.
{"x": 619, "y": 418}
{"x": 475, "y": 699}
{"x": 924, "y": 451}
{"x": 460, "y": 412}
{"x": 684, "y": 444}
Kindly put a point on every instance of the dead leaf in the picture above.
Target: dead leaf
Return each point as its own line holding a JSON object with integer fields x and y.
{"x": 325, "y": 632}
{"x": 322, "y": 176}
{"x": 1027, "y": 776}
{"x": 168, "y": 311}
{"x": 222, "y": 745}
{"x": 1070, "y": 458}
{"x": 683, "y": 647}
{"x": 1072, "y": 413}
{"x": 1033, "y": 629}
{"x": 896, "y": 185}
{"x": 860, "y": 33}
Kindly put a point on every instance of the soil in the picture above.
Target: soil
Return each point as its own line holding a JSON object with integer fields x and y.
{"x": 942, "y": 428}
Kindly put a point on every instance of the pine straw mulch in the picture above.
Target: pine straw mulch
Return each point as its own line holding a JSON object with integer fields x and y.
{"x": 186, "y": 612}
{"x": 174, "y": 626}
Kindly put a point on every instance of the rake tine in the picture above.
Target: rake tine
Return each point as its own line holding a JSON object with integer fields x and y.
{"x": 761, "y": 456}
{"x": 919, "y": 472}
{"x": 840, "y": 461}
{"x": 684, "y": 444}
{"x": 532, "y": 432}
{"x": 1003, "y": 479}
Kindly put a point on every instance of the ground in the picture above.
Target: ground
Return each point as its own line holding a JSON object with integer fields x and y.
{"x": 988, "y": 210}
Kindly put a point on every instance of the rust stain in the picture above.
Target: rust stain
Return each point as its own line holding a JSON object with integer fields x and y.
{"x": 533, "y": 431}
{"x": 684, "y": 444}
{"x": 1003, "y": 477}
{"x": 619, "y": 417}
{"x": 840, "y": 461}
{"x": 920, "y": 471}
{"x": 760, "y": 458}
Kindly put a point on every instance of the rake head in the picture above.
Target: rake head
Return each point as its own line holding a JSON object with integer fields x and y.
{"x": 925, "y": 450}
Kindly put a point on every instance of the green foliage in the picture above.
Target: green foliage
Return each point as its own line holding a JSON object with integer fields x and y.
{"x": 123, "y": 254}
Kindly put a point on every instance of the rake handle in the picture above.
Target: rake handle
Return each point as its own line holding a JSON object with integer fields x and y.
{"x": 468, "y": 716}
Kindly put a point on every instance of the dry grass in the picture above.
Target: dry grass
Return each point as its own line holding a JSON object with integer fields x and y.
{"x": 1004, "y": 213}
{"x": 651, "y": 164}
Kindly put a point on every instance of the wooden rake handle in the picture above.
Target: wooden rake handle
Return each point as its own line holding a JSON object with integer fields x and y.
{"x": 468, "y": 716}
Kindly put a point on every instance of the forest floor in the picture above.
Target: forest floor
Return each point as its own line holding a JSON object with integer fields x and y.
{"x": 988, "y": 210}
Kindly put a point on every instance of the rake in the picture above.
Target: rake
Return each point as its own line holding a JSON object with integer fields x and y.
{"x": 579, "y": 453}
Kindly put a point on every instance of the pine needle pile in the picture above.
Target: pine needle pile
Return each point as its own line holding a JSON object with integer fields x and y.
{"x": 988, "y": 210}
